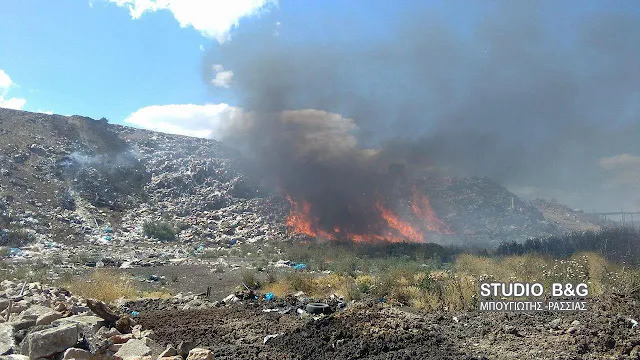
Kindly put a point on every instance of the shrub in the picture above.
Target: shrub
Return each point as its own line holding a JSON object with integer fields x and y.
{"x": 161, "y": 230}
{"x": 613, "y": 243}
{"x": 299, "y": 281}
{"x": 14, "y": 237}
{"x": 250, "y": 279}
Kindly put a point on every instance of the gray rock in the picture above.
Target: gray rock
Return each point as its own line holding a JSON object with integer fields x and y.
{"x": 87, "y": 323}
{"x": 22, "y": 323}
{"x": 133, "y": 348}
{"x": 184, "y": 347}
{"x": 169, "y": 351}
{"x": 14, "y": 357}
{"x": 200, "y": 354}
{"x": 47, "y": 342}
{"x": 36, "y": 310}
{"x": 7, "y": 340}
{"x": 555, "y": 324}
{"x": 77, "y": 354}
{"x": 4, "y": 303}
{"x": 48, "y": 318}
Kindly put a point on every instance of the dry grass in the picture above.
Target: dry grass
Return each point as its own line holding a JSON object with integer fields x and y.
{"x": 458, "y": 288}
{"x": 103, "y": 285}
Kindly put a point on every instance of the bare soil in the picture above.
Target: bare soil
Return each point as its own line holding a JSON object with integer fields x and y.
{"x": 370, "y": 330}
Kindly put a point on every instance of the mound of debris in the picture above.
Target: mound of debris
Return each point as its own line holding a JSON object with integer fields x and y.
{"x": 482, "y": 211}
{"x": 41, "y": 321}
{"x": 71, "y": 181}
{"x": 566, "y": 218}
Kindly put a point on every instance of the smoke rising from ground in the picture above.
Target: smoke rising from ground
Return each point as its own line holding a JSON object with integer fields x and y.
{"x": 535, "y": 106}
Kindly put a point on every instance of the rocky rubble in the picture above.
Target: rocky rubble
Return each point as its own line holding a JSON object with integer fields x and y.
{"x": 39, "y": 321}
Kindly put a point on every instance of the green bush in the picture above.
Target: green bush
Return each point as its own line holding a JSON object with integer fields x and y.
{"x": 250, "y": 279}
{"x": 14, "y": 237}
{"x": 160, "y": 230}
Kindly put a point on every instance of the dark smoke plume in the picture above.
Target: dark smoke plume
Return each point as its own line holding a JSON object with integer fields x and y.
{"x": 544, "y": 109}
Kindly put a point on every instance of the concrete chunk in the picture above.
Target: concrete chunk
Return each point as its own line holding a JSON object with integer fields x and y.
{"x": 7, "y": 341}
{"x": 48, "y": 318}
{"x": 77, "y": 354}
{"x": 200, "y": 354}
{"x": 47, "y": 342}
{"x": 132, "y": 349}
{"x": 86, "y": 323}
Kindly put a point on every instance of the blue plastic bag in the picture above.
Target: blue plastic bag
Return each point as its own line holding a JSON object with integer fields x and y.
{"x": 300, "y": 266}
{"x": 269, "y": 296}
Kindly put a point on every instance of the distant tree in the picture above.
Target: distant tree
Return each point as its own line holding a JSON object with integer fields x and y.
{"x": 160, "y": 230}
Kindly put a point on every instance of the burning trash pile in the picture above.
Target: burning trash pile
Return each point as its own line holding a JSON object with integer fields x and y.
{"x": 383, "y": 223}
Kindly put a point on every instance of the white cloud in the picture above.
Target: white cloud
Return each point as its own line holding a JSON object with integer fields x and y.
{"x": 212, "y": 18}
{"x": 5, "y": 81}
{"x": 5, "y": 84}
{"x": 205, "y": 121}
{"x": 222, "y": 78}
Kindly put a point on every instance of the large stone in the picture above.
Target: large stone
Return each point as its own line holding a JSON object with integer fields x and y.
{"x": 77, "y": 354}
{"x": 47, "y": 342}
{"x": 121, "y": 339}
{"x": 7, "y": 340}
{"x": 169, "y": 352}
{"x": 87, "y": 323}
{"x": 18, "y": 307}
{"x": 131, "y": 349}
{"x": 14, "y": 357}
{"x": 200, "y": 354}
{"x": 4, "y": 303}
{"x": 22, "y": 323}
{"x": 36, "y": 310}
{"x": 48, "y": 318}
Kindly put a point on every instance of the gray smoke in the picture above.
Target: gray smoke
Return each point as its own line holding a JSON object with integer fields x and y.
{"x": 544, "y": 111}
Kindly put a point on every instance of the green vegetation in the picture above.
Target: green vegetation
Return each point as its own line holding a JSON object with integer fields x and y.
{"x": 616, "y": 244}
{"x": 14, "y": 237}
{"x": 160, "y": 230}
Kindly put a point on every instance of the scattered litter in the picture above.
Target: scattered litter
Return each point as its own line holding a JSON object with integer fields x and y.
{"x": 300, "y": 266}
{"x": 269, "y": 296}
{"x": 15, "y": 252}
{"x": 135, "y": 313}
{"x": 269, "y": 337}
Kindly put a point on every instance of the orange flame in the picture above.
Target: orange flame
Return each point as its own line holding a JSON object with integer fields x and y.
{"x": 402, "y": 227}
{"x": 302, "y": 221}
{"x": 422, "y": 208}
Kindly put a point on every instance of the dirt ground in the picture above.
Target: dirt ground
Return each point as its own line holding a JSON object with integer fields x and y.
{"x": 191, "y": 278}
{"x": 371, "y": 330}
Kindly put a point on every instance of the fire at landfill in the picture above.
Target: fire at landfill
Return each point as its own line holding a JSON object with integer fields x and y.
{"x": 382, "y": 223}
